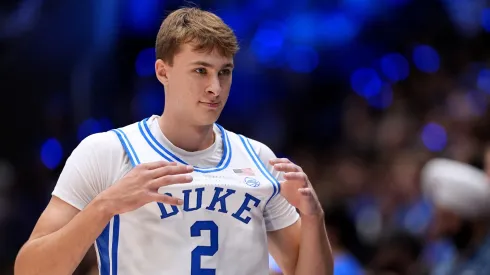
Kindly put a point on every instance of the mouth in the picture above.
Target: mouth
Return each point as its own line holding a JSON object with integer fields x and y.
{"x": 212, "y": 105}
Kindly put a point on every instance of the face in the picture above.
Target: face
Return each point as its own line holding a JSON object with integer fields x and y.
{"x": 197, "y": 85}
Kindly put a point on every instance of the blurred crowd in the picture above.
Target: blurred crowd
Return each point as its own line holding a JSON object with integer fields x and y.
{"x": 376, "y": 215}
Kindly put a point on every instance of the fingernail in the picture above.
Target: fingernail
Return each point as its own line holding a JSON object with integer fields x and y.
{"x": 180, "y": 202}
{"x": 189, "y": 178}
{"x": 190, "y": 168}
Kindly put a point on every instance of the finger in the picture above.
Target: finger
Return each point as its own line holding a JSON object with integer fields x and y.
{"x": 279, "y": 160}
{"x": 295, "y": 176}
{"x": 287, "y": 167}
{"x": 166, "y": 199}
{"x": 169, "y": 180}
{"x": 156, "y": 164}
{"x": 171, "y": 170}
{"x": 306, "y": 191}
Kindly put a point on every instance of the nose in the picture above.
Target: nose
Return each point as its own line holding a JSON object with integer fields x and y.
{"x": 214, "y": 87}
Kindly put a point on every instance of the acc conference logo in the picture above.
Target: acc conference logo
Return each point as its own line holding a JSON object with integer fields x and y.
{"x": 252, "y": 182}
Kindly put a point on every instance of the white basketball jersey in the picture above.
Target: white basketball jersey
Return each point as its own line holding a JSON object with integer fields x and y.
{"x": 219, "y": 229}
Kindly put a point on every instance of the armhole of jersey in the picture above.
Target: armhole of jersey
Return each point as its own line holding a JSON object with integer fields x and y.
{"x": 127, "y": 147}
{"x": 261, "y": 166}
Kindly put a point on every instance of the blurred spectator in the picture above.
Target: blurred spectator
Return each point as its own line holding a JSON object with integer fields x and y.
{"x": 461, "y": 196}
{"x": 398, "y": 254}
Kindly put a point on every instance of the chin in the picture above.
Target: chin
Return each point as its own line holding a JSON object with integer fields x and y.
{"x": 207, "y": 119}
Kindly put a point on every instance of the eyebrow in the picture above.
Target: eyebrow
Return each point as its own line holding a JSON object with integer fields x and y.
{"x": 206, "y": 64}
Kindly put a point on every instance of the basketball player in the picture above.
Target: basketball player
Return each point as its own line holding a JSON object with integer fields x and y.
{"x": 177, "y": 193}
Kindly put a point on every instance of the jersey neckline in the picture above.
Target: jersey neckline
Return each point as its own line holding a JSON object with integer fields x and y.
{"x": 169, "y": 156}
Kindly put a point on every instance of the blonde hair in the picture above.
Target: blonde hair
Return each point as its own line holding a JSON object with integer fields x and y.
{"x": 204, "y": 30}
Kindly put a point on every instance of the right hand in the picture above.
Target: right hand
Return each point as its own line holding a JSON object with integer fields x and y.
{"x": 140, "y": 186}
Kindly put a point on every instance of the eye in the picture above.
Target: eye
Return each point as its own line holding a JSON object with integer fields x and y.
{"x": 201, "y": 70}
{"x": 225, "y": 72}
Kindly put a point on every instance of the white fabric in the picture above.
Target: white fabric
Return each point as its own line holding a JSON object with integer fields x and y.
{"x": 458, "y": 187}
{"x": 100, "y": 160}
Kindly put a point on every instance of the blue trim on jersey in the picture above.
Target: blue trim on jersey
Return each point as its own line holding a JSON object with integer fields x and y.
{"x": 169, "y": 156}
{"x": 115, "y": 244}
{"x": 102, "y": 243}
{"x": 129, "y": 150}
{"x": 265, "y": 168}
{"x": 260, "y": 166}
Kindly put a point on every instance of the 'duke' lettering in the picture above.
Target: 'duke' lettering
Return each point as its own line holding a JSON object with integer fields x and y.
{"x": 217, "y": 203}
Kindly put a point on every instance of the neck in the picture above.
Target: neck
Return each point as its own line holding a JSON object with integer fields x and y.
{"x": 187, "y": 137}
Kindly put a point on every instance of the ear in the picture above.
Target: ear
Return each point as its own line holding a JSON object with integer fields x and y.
{"x": 162, "y": 71}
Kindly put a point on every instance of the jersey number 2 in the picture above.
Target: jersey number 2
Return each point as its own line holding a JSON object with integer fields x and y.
{"x": 199, "y": 251}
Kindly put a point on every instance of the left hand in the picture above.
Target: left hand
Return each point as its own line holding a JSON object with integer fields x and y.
{"x": 296, "y": 188}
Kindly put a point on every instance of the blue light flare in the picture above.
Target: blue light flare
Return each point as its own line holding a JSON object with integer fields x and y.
{"x": 434, "y": 137}
{"x": 51, "y": 153}
{"x": 426, "y": 59}
{"x": 395, "y": 66}
{"x": 145, "y": 62}
{"x": 87, "y": 128}
{"x": 366, "y": 82}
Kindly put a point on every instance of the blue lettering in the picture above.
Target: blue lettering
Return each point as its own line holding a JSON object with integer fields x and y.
{"x": 237, "y": 215}
{"x": 164, "y": 215}
{"x": 187, "y": 194}
{"x": 221, "y": 199}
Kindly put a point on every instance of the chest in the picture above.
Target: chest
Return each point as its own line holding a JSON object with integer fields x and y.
{"x": 232, "y": 191}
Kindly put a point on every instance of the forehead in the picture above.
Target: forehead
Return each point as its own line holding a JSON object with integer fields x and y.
{"x": 188, "y": 55}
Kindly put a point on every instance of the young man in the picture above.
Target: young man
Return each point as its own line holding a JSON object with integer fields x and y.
{"x": 176, "y": 193}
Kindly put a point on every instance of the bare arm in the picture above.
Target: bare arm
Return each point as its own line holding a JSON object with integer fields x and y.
{"x": 61, "y": 238}
{"x": 63, "y": 234}
{"x": 307, "y": 239}
{"x": 302, "y": 248}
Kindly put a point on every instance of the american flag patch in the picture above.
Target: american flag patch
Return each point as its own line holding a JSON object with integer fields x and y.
{"x": 244, "y": 172}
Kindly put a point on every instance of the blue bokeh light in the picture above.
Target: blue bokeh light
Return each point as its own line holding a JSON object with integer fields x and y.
{"x": 426, "y": 59}
{"x": 302, "y": 28}
{"x": 145, "y": 62}
{"x": 336, "y": 28}
{"x": 106, "y": 124}
{"x": 51, "y": 153}
{"x": 88, "y": 127}
{"x": 147, "y": 102}
{"x": 395, "y": 66}
{"x": 143, "y": 15}
{"x": 483, "y": 81}
{"x": 485, "y": 19}
{"x": 332, "y": 28}
{"x": 383, "y": 99}
{"x": 366, "y": 82}
{"x": 362, "y": 8}
{"x": 434, "y": 137}
{"x": 268, "y": 42}
{"x": 239, "y": 20}
{"x": 302, "y": 59}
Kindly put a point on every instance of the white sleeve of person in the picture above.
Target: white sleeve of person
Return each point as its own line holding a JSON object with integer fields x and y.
{"x": 457, "y": 187}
